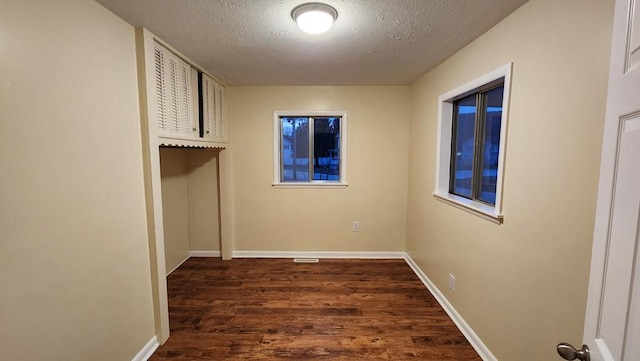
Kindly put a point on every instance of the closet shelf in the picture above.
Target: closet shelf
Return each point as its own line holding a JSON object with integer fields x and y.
{"x": 190, "y": 144}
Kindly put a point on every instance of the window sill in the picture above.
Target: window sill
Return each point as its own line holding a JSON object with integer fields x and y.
{"x": 481, "y": 210}
{"x": 310, "y": 185}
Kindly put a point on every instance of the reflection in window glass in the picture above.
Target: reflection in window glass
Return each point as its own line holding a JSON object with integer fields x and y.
{"x": 299, "y": 136}
{"x": 326, "y": 145}
{"x": 465, "y": 125}
{"x": 491, "y": 149}
{"x": 295, "y": 149}
{"x": 476, "y": 144}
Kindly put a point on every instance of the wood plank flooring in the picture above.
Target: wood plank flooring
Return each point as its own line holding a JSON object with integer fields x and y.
{"x": 274, "y": 309}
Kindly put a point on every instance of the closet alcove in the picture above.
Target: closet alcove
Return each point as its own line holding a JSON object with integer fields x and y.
{"x": 186, "y": 164}
{"x": 190, "y": 203}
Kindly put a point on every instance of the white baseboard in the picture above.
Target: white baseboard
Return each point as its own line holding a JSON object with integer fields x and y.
{"x": 318, "y": 254}
{"x": 464, "y": 327}
{"x": 196, "y": 254}
{"x": 204, "y": 254}
{"x": 147, "y": 350}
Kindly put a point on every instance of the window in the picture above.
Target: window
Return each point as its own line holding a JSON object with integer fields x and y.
{"x": 476, "y": 144}
{"x": 471, "y": 142}
{"x": 310, "y": 148}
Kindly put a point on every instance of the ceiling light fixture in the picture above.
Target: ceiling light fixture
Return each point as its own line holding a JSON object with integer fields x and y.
{"x": 314, "y": 18}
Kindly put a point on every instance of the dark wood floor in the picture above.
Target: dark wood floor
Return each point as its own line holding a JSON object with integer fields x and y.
{"x": 273, "y": 309}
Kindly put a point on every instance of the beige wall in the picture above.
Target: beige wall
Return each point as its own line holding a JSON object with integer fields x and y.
{"x": 522, "y": 285}
{"x": 175, "y": 206}
{"x": 190, "y": 206}
{"x": 74, "y": 260}
{"x": 269, "y": 219}
{"x": 204, "y": 204}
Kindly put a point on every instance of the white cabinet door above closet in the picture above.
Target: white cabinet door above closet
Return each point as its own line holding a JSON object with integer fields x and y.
{"x": 174, "y": 99}
{"x": 213, "y": 117}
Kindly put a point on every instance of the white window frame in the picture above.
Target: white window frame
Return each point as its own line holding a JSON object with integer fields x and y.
{"x": 443, "y": 147}
{"x": 343, "y": 149}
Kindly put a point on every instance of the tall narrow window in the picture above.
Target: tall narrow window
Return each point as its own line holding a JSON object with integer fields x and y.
{"x": 476, "y": 144}
{"x": 310, "y": 149}
{"x": 472, "y": 130}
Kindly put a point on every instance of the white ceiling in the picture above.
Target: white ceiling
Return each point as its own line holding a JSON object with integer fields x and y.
{"x": 373, "y": 42}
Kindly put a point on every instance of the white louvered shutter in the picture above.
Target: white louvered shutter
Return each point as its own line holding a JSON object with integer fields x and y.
{"x": 173, "y": 92}
{"x": 216, "y": 109}
{"x": 222, "y": 127}
{"x": 161, "y": 96}
{"x": 177, "y": 99}
{"x": 185, "y": 126}
{"x": 174, "y": 83}
{"x": 208, "y": 106}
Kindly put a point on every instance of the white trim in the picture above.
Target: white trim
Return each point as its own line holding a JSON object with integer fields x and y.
{"x": 196, "y": 254}
{"x": 148, "y": 350}
{"x": 443, "y": 143}
{"x": 179, "y": 264}
{"x": 315, "y": 184}
{"x": 188, "y": 142}
{"x": 205, "y": 254}
{"x": 482, "y": 210}
{"x": 343, "y": 148}
{"x": 318, "y": 254}
{"x": 464, "y": 327}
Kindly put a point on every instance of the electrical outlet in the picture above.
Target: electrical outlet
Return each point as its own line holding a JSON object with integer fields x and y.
{"x": 355, "y": 226}
{"x": 452, "y": 282}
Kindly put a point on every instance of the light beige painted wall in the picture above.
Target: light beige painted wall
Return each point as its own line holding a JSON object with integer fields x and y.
{"x": 521, "y": 286}
{"x": 204, "y": 211}
{"x": 175, "y": 206}
{"x": 74, "y": 260}
{"x": 269, "y": 219}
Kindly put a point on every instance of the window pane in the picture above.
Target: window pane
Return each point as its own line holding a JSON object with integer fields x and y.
{"x": 295, "y": 149}
{"x": 326, "y": 149}
{"x": 491, "y": 149}
{"x": 462, "y": 157}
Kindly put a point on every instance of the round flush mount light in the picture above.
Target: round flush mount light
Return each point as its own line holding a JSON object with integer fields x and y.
{"x": 314, "y": 18}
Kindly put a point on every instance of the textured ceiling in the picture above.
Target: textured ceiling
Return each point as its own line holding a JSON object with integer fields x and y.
{"x": 373, "y": 42}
